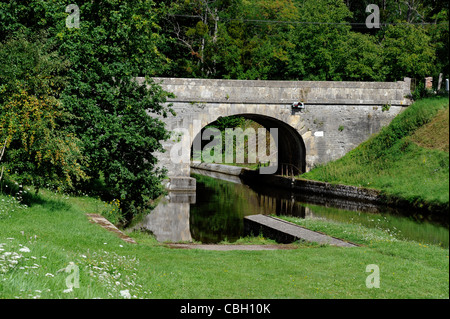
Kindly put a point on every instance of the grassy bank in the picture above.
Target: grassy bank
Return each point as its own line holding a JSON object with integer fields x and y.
{"x": 407, "y": 160}
{"x": 38, "y": 241}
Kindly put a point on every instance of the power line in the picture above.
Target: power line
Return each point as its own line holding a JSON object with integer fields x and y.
{"x": 311, "y": 22}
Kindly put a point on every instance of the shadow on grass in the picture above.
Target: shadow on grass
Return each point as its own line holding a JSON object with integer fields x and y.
{"x": 56, "y": 204}
{"x": 32, "y": 199}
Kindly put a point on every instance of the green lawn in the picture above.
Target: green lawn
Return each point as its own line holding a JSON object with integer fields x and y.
{"x": 53, "y": 231}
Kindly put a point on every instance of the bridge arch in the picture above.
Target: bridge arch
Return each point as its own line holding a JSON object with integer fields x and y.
{"x": 337, "y": 116}
{"x": 291, "y": 150}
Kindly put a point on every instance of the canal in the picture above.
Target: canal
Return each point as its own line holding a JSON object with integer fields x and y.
{"x": 216, "y": 211}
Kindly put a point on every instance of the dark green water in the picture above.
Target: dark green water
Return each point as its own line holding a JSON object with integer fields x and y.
{"x": 221, "y": 206}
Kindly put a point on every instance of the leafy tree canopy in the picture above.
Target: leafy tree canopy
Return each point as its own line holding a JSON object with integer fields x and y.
{"x": 114, "y": 115}
{"x": 33, "y": 124}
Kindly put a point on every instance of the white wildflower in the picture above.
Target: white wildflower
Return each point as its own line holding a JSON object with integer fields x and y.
{"x": 125, "y": 294}
{"x": 25, "y": 249}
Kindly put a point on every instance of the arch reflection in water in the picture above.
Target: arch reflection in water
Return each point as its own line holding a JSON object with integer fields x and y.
{"x": 221, "y": 202}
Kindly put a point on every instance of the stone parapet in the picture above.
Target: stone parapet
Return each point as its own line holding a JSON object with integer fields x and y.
{"x": 280, "y": 92}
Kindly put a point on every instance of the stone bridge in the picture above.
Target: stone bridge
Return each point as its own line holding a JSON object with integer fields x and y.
{"x": 337, "y": 116}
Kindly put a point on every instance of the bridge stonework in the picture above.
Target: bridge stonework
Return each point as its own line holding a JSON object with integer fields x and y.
{"x": 336, "y": 118}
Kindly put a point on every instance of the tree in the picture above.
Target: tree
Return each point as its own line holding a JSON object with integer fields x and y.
{"x": 315, "y": 55}
{"x": 407, "y": 51}
{"x": 304, "y": 39}
{"x": 116, "y": 43}
{"x": 33, "y": 122}
{"x": 360, "y": 58}
{"x": 255, "y": 44}
{"x": 439, "y": 34}
{"x": 114, "y": 115}
{"x": 194, "y": 29}
{"x": 38, "y": 150}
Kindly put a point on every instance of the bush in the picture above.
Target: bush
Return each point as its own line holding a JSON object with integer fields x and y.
{"x": 33, "y": 123}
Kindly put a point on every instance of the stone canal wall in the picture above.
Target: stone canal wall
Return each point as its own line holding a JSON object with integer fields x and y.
{"x": 335, "y": 194}
{"x": 219, "y": 168}
{"x": 325, "y": 189}
{"x": 298, "y": 185}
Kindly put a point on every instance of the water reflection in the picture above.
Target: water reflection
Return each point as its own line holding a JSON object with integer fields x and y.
{"x": 216, "y": 212}
{"x": 169, "y": 221}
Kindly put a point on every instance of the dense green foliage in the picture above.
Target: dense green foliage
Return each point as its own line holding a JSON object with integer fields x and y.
{"x": 39, "y": 148}
{"x": 392, "y": 162}
{"x": 305, "y": 39}
{"x": 115, "y": 43}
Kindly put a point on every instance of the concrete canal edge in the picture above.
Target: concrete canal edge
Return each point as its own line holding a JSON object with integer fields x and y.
{"x": 220, "y": 168}
{"x": 285, "y": 232}
{"x": 303, "y": 185}
{"x": 362, "y": 195}
{"x": 321, "y": 188}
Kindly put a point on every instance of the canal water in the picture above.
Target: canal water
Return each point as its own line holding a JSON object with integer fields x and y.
{"x": 216, "y": 211}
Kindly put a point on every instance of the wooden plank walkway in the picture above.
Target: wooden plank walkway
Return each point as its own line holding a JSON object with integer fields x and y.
{"x": 286, "y": 232}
